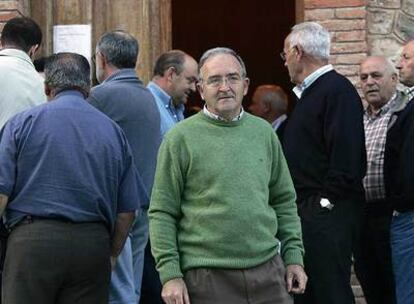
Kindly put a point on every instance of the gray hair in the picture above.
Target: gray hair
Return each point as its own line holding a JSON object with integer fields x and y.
{"x": 67, "y": 71}
{"x": 219, "y": 51}
{"x": 389, "y": 65}
{"x": 313, "y": 38}
{"x": 119, "y": 48}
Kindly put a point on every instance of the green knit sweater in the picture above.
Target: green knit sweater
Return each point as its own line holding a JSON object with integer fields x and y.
{"x": 222, "y": 193}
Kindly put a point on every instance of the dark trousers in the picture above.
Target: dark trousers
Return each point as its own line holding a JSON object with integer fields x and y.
{"x": 55, "y": 262}
{"x": 373, "y": 264}
{"x": 151, "y": 285}
{"x": 329, "y": 238}
{"x": 263, "y": 284}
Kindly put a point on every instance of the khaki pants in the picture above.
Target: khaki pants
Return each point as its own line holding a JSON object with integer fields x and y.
{"x": 263, "y": 284}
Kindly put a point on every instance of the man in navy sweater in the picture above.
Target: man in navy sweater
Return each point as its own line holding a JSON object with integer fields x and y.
{"x": 123, "y": 98}
{"x": 325, "y": 150}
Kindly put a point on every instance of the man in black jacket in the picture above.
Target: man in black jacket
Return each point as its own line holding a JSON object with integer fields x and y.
{"x": 325, "y": 150}
{"x": 399, "y": 181}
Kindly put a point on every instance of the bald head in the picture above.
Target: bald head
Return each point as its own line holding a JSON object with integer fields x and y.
{"x": 269, "y": 102}
{"x": 379, "y": 80}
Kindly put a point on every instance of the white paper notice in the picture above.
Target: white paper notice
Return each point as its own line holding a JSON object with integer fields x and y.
{"x": 74, "y": 38}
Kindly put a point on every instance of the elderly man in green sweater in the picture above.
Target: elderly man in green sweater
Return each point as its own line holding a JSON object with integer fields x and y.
{"x": 223, "y": 201}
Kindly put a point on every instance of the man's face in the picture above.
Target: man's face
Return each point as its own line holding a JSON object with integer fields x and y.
{"x": 258, "y": 107}
{"x": 291, "y": 61}
{"x": 378, "y": 82}
{"x": 405, "y": 65}
{"x": 183, "y": 84}
{"x": 222, "y": 85}
{"x": 100, "y": 72}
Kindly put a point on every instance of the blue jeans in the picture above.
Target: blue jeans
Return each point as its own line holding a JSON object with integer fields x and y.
{"x": 126, "y": 277}
{"x": 402, "y": 246}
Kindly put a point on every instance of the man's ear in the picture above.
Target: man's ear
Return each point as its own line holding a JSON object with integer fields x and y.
{"x": 299, "y": 51}
{"x": 246, "y": 83}
{"x": 49, "y": 93}
{"x": 33, "y": 50}
{"x": 169, "y": 73}
{"x": 200, "y": 89}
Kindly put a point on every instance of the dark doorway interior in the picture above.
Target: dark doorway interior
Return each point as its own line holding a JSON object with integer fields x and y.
{"x": 254, "y": 29}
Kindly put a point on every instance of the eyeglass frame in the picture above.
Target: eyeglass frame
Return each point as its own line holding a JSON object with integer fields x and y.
{"x": 283, "y": 54}
{"x": 223, "y": 78}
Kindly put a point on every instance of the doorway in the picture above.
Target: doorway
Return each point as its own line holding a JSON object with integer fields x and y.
{"x": 254, "y": 29}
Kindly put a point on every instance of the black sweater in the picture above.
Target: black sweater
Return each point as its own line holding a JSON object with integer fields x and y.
{"x": 324, "y": 141}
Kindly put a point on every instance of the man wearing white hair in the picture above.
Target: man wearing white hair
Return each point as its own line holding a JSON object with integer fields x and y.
{"x": 325, "y": 150}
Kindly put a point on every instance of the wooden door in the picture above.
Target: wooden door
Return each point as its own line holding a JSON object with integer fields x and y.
{"x": 148, "y": 20}
{"x": 254, "y": 29}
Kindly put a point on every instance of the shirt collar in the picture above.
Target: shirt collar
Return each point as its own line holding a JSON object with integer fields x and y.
{"x": 410, "y": 92}
{"x": 16, "y": 53}
{"x": 278, "y": 121}
{"x": 217, "y": 117}
{"x": 298, "y": 90}
{"x": 384, "y": 109}
{"x": 122, "y": 74}
{"x": 163, "y": 96}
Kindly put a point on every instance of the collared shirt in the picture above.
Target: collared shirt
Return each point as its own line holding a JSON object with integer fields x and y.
{"x": 217, "y": 117}
{"x": 375, "y": 125}
{"x": 298, "y": 90}
{"x": 409, "y": 92}
{"x": 170, "y": 114}
{"x": 72, "y": 161}
{"x": 276, "y": 124}
{"x": 21, "y": 86}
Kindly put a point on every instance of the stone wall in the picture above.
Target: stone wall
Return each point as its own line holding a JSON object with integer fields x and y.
{"x": 390, "y": 23}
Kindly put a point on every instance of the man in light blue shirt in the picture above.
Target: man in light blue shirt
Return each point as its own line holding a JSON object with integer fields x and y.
{"x": 175, "y": 77}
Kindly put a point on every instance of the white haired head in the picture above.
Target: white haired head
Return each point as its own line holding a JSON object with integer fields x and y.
{"x": 313, "y": 38}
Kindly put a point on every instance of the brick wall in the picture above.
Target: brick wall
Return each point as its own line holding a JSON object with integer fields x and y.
{"x": 11, "y": 9}
{"x": 346, "y": 21}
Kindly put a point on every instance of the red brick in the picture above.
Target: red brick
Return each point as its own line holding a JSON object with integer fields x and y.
{"x": 10, "y": 5}
{"x": 348, "y": 70}
{"x": 333, "y": 3}
{"x": 7, "y": 15}
{"x": 344, "y": 25}
{"x": 347, "y": 58}
{"x": 348, "y": 47}
{"x": 350, "y": 13}
{"x": 349, "y": 36}
{"x": 319, "y": 14}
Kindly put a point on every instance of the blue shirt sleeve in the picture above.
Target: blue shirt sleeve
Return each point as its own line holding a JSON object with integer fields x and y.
{"x": 8, "y": 156}
{"x": 131, "y": 193}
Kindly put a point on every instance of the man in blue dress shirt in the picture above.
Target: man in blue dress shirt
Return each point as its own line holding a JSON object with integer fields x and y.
{"x": 175, "y": 77}
{"x": 69, "y": 190}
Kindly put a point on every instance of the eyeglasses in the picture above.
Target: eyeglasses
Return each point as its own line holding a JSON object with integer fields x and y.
{"x": 283, "y": 54}
{"x": 217, "y": 81}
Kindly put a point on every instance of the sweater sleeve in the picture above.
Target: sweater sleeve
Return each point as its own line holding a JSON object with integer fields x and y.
{"x": 165, "y": 209}
{"x": 345, "y": 144}
{"x": 282, "y": 198}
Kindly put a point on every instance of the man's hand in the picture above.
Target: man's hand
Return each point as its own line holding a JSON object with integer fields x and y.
{"x": 295, "y": 279}
{"x": 175, "y": 292}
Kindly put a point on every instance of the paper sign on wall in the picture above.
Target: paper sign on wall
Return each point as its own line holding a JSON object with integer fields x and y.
{"x": 74, "y": 38}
